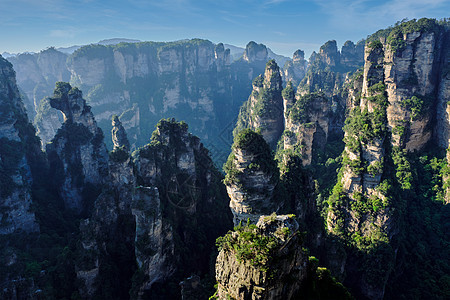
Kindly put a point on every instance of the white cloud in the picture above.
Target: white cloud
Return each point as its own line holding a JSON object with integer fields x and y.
{"x": 63, "y": 33}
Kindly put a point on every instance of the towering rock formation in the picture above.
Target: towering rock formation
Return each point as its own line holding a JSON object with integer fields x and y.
{"x": 108, "y": 236}
{"x": 295, "y": 69}
{"x": 252, "y": 176}
{"x": 180, "y": 206}
{"x": 265, "y": 261}
{"x": 17, "y": 143}
{"x": 393, "y": 116}
{"x": 77, "y": 153}
{"x": 264, "y": 108}
{"x": 307, "y": 125}
{"x": 255, "y": 52}
{"x": 352, "y": 55}
{"x": 119, "y": 136}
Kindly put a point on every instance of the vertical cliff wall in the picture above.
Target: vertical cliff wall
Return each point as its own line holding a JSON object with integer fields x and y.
{"x": 395, "y": 115}
{"x": 264, "y": 108}
{"x": 77, "y": 154}
{"x": 17, "y": 141}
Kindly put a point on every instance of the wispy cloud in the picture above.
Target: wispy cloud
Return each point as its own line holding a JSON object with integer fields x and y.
{"x": 63, "y": 33}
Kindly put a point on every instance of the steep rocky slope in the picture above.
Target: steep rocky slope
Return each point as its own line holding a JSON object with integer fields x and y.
{"x": 295, "y": 69}
{"x": 17, "y": 141}
{"x": 77, "y": 154}
{"x": 252, "y": 177}
{"x": 264, "y": 108}
{"x": 37, "y": 74}
{"x": 157, "y": 218}
{"x": 399, "y": 100}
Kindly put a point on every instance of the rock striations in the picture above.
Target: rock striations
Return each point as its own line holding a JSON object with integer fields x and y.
{"x": 262, "y": 261}
{"x": 17, "y": 141}
{"x": 162, "y": 209}
{"x": 295, "y": 70}
{"x": 393, "y": 117}
{"x": 264, "y": 108}
{"x": 252, "y": 177}
{"x": 77, "y": 154}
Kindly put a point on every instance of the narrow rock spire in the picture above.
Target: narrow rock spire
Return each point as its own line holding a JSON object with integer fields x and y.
{"x": 119, "y": 136}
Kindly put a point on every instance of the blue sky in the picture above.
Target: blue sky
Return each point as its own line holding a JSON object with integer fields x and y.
{"x": 283, "y": 25}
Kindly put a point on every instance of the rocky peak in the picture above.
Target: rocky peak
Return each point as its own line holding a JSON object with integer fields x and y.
{"x": 352, "y": 55}
{"x": 119, "y": 136}
{"x": 77, "y": 150}
{"x": 275, "y": 267}
{"x": 272, "y": 76}
{"x": 252, "y": 176}
{"x": 264, "y": 108}
{"x": 295, "y": 70}
{"x": 298, "y": 56}
{"x": 329, "y": 54}
{"x": 71, "y": 103}
{"x": 255, "y": 52}
{"x": 222, "y": 56}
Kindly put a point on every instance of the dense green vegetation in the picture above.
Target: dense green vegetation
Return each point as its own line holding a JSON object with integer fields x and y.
{"x": 303, "y": 107}
{"x": 395, "y": 35}
{"x": 249, "y": 245}
{"x": 251, "y": 143}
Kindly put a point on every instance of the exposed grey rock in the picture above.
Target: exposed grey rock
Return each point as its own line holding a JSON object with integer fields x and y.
{"x": 281, "y": 277}
{"x": 119, "y": 136}
{"x": 16, "y": 180}
{"x": 77, "y": 149}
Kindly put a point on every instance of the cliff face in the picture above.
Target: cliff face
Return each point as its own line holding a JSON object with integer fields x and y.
{"x": 394, "y": 116}
{"x": 274, "y": 267}
{"x": 77, "y": 153}
{"x": 295, "y": 70}
{"x": 255, "y": 52}
{"x": 176, "y": 174}
{"x": 252, "y": 176}
{"x": 264, "y": 108}
{"x": 307, "y": 125}
{"x": 145, "y": 82}
{"x": 37, "y": 74}
{"x": 156, "y": 223}
{"x": 16, "y": 177}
